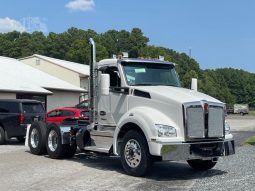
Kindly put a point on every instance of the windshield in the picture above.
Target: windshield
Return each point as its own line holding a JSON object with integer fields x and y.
{"x": 142, "y": 74}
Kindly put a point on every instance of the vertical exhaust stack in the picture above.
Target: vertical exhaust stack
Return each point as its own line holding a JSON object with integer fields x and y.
{"x": 92, "y": 82}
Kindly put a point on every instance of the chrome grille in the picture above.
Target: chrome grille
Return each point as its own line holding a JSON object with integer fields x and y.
{"x": 195, "y": 122}
{"x": 215, "y": 121}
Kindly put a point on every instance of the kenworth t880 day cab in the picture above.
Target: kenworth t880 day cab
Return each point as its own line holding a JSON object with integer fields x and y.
{"x": 139, "y": 112}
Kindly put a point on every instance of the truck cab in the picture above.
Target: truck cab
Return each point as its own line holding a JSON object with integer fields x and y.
{"x": 145, "y": 96}
{"x": 140, "y": 112}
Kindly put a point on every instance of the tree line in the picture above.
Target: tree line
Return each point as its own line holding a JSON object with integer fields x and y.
{"x": 228, "y": 85}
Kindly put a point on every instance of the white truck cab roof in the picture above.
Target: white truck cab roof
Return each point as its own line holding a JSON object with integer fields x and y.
{"x": 115, "y": 61}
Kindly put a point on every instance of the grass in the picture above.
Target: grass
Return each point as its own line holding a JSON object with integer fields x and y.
{"x": 250, "y": 141}
{"x": 251, "y": 113}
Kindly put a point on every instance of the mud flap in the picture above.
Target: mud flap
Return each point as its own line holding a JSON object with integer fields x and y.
{"x": 82, "y": 137}
{"x": 229, "y": 148}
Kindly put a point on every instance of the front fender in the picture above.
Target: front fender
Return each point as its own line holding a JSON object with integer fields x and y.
{"x": 145, "y": 118}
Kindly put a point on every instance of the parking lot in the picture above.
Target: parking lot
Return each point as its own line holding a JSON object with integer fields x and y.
{"x": 21, "y": 170}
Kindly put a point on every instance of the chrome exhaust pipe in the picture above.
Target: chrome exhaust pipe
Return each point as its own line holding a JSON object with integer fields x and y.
{"x": 92, "y": 82}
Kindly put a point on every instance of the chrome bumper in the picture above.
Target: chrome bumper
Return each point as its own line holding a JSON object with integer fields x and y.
{"x": 198, "y": 150}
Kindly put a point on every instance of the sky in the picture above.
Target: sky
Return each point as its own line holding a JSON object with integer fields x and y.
{"x": 217, "y": 33}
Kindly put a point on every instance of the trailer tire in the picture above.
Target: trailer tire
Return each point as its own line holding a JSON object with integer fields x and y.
{"x": 135, "y": 157}
{"x": 201, "y": 165}
{"x": 37, "y": 138}
{"x": 55, "y": 148}
{"x": 2, "y": 136}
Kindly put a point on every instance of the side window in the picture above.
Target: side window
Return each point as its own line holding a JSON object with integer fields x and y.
{"x": 66, "y": 113}
{"x": 114, "y": 76}
{"x": 9, "y": 107}
{"x": 55, "y": 113}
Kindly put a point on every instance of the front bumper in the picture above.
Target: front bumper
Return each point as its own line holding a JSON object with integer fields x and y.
{"x": 198, "y": 150}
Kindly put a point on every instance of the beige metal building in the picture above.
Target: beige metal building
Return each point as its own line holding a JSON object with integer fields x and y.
{"x": 20, "y": 81}
{"x": 71, "y": 72}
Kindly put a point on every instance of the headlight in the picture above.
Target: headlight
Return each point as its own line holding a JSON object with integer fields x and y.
{"x": 227, "y": 128}
{"x": 166, "y": 131}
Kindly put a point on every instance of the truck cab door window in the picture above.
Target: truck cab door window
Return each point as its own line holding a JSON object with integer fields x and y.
{"x": 114, "y": 76}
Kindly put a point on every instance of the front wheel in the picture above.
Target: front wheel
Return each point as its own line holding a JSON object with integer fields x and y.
{"x": 55, "y": 148}
{"x": 135, "y": 157}
{"x": 202, "y": 165}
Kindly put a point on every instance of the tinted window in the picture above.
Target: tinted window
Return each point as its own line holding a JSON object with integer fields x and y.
{"x": 114, "y": 76}
{"x": 66, "y": 113}
{"x": 32, "y": 108}
{"x": 41, "y": 98}
{"x": 55, "y": 113}
{"x": 9, "y": 107}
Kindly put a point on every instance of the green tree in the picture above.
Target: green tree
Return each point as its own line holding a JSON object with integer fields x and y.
{"x": 186, "y": 80}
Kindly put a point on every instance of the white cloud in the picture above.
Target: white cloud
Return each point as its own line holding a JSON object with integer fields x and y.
{"x": 26, "y": 24}
{"x": 81, "y": 5}
{"x": 8, "y": 25}
{"x": 32, "y": 24}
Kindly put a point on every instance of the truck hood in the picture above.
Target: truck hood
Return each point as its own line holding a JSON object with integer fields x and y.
{"x": 177, "y": 94}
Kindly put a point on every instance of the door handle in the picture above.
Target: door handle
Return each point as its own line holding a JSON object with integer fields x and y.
{"x": 102, "y": 113}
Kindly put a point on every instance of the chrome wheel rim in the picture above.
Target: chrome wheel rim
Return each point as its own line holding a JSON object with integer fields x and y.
{"x": 53, "y": 140}
{"x": 132, "y": 153}
{"x": 34, "y": 141}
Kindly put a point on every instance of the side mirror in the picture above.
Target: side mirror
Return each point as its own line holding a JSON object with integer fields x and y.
{"x": 105, "y": 84}
{"x": 194, "y": 84}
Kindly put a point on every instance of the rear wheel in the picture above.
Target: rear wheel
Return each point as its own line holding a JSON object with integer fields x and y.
{"x": 55, "y": 148}
{"x": 202, "y": 164}
{"x": 135, "y": 157}
{"x": 2, "y": 135}
{"x": 37, "y": 137}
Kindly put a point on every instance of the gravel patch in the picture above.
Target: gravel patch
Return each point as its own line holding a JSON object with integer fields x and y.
{"x": 235, "y": 173}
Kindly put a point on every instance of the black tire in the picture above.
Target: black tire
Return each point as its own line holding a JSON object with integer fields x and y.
{"x": 202, "y": 165}
{"x": 144, "y": 165}
{"x": 55, "y": 148}
{"x": 2, "y": 136}
{"x": 37, "y": 138}
{"x": 21, "y": 139}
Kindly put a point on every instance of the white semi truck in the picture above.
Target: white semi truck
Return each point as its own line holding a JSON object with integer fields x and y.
{"x": 140, "y": 113}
